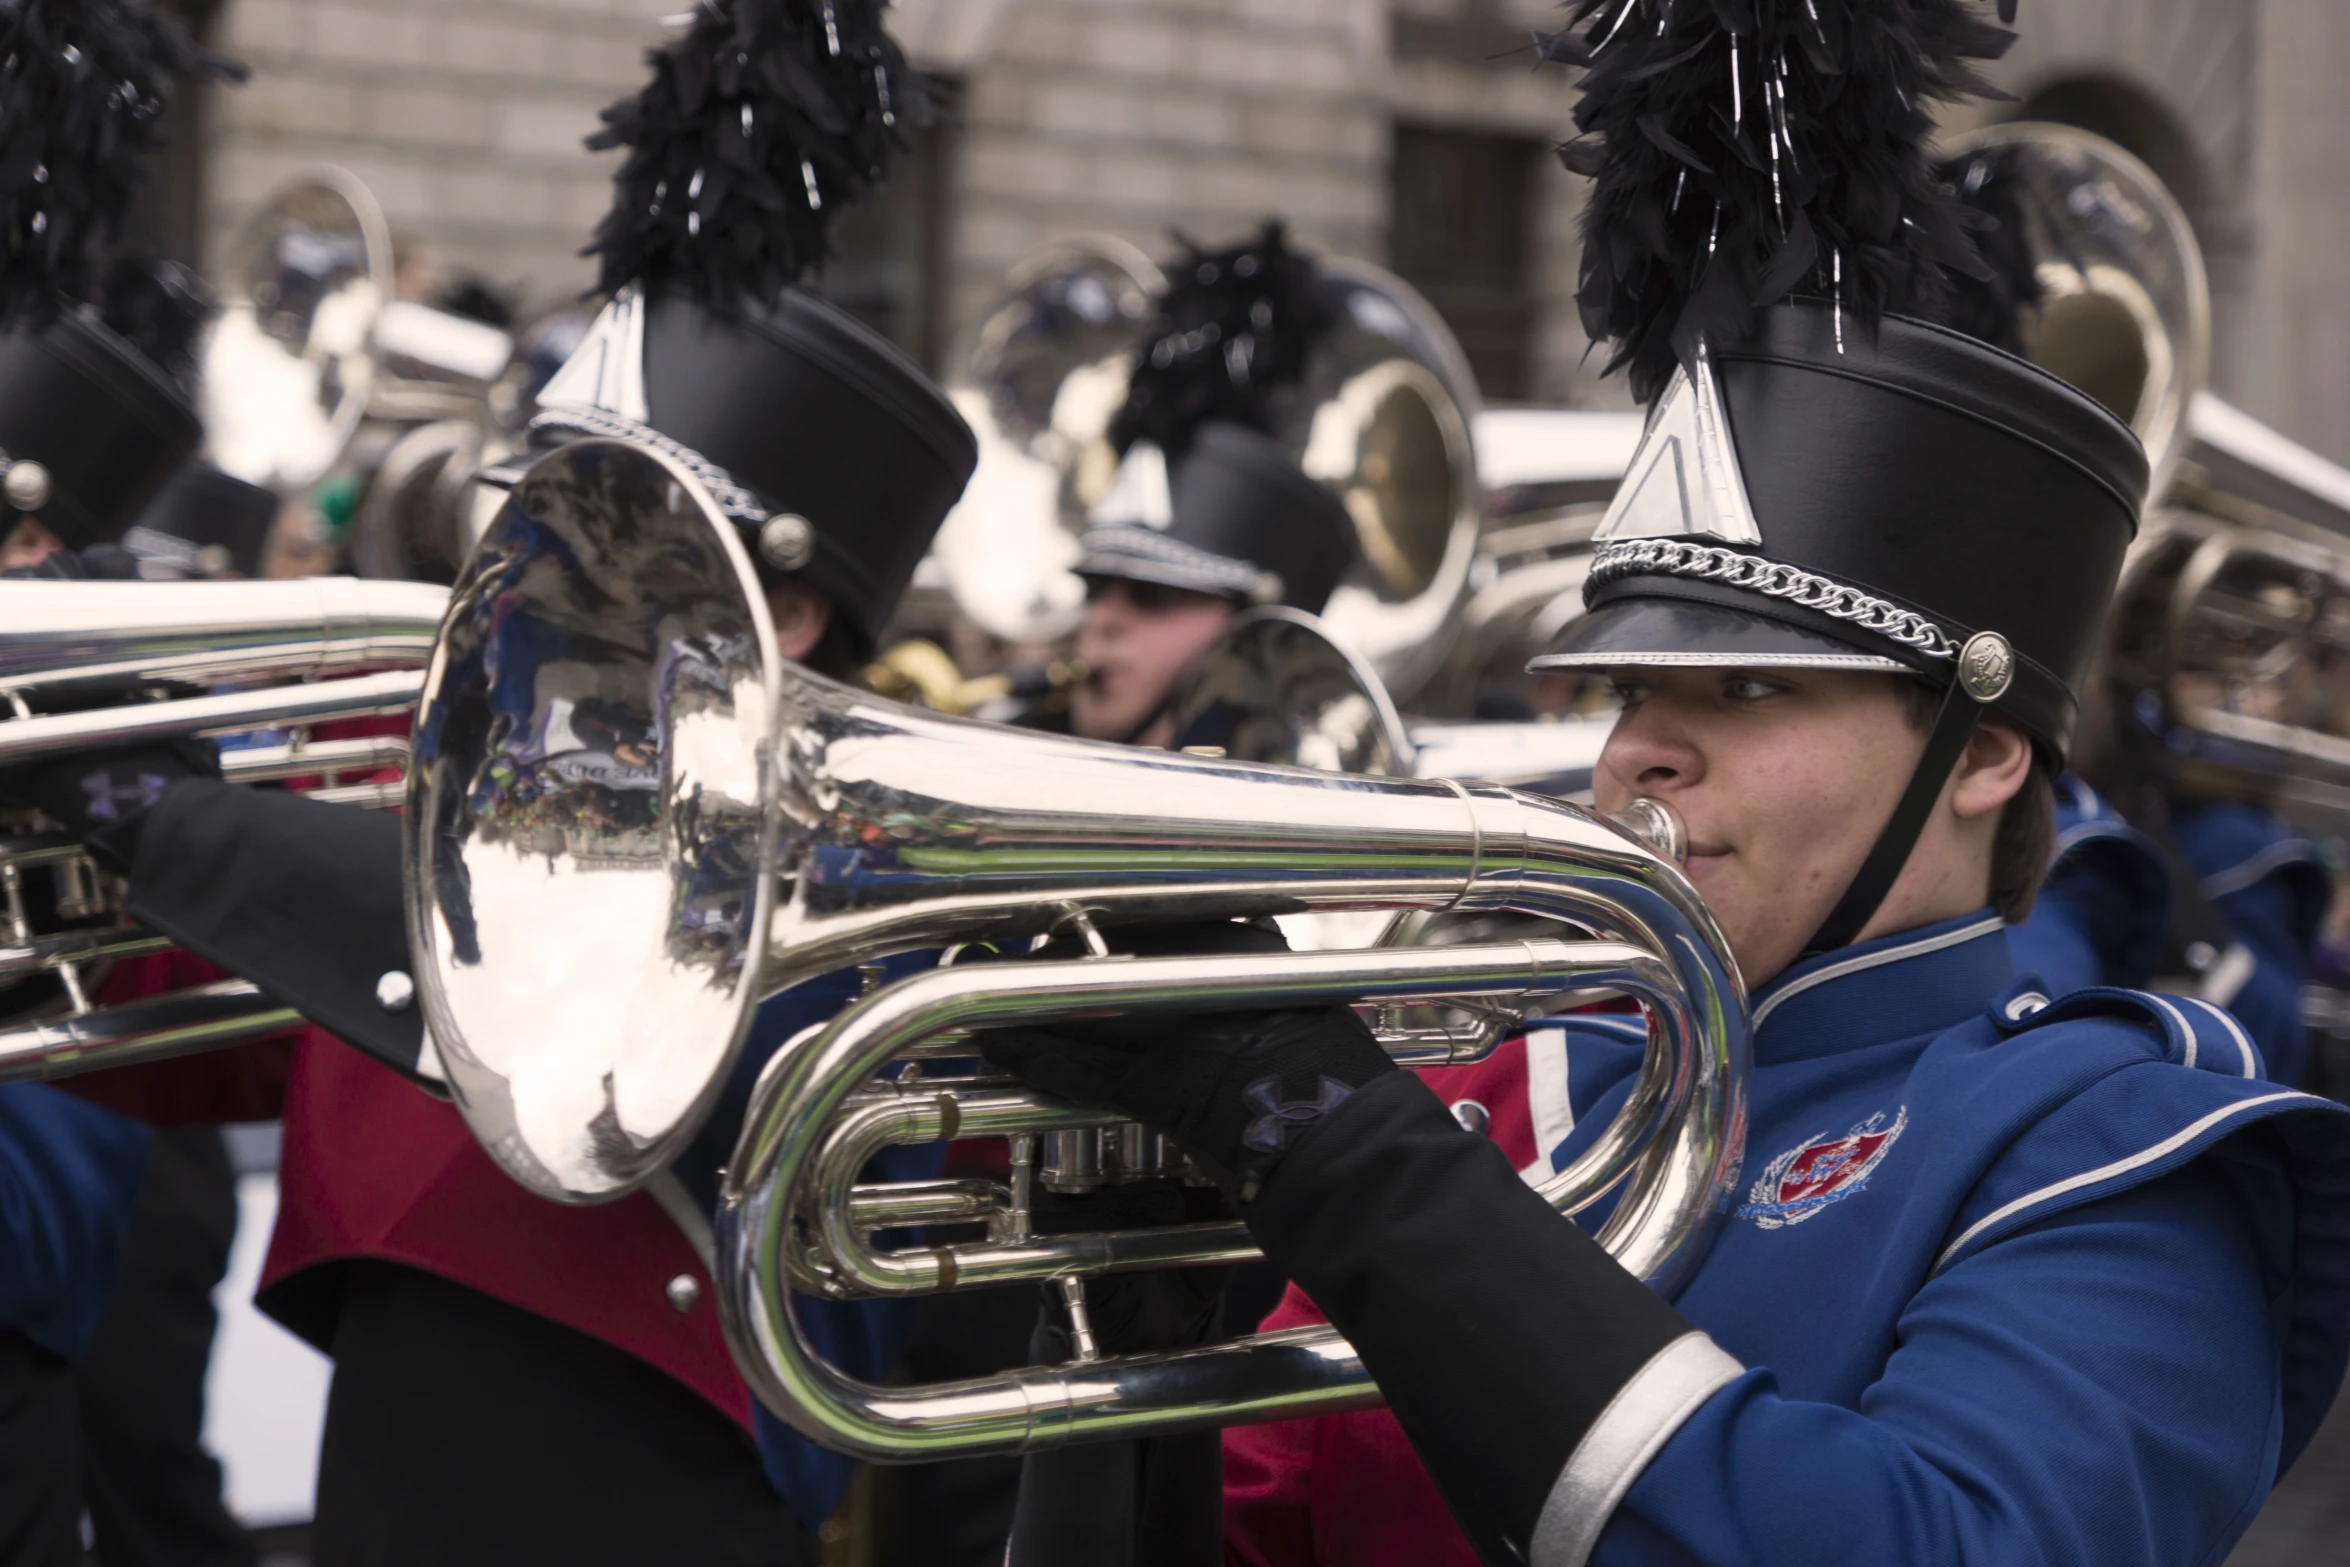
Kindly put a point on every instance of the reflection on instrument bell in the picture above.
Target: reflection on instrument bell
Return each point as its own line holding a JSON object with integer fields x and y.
{"x": 2124, "y": 307}
{"x": 591, "y": 941}
{"x": 288, "y": 364}
{"x": 1276, "y": 686}
{"x": 1046, "y": 373}
{"x": 313, "y": 363}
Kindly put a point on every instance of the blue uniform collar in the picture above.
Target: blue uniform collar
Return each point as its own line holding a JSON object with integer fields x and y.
{"x": 1897, "y": 987}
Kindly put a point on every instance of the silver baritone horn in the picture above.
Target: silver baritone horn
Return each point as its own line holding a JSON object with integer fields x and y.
{"x": 630, "y": 821}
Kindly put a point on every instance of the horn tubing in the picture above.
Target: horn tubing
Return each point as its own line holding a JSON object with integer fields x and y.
{"x": 23, "y": 739}
{"x": 203, "y": 1017}
{"x": 892, "y": 1113}
{"x": 70, "y": 632}
{"x": 1698, "y": 1046}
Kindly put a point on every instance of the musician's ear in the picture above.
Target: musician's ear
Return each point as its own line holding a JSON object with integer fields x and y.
{"x": 1992, "y": 769}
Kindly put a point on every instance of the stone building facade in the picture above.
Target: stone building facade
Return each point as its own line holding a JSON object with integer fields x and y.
{"x": 1409, "y": 131}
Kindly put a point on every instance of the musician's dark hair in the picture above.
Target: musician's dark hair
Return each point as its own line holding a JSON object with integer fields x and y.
{"x": 2025, "y": 844}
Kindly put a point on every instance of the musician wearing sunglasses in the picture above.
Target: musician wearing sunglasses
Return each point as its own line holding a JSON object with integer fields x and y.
{"x": 2004, "y": 1277}
{"x": 1209, "y": 513}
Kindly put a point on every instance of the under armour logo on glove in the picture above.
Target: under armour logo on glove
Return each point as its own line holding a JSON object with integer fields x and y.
{"x": 1278, "y": 1118}
{"x": 106, "y": 794}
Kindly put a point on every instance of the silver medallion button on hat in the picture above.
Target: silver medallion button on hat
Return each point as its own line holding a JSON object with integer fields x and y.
{"x": 787, "y": 542}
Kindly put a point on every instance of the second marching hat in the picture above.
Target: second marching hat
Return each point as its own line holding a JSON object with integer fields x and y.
{"x": 1206, "y": 498}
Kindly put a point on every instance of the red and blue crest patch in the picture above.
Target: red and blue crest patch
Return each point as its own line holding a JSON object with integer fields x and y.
{"x": 1820, "y": 1170}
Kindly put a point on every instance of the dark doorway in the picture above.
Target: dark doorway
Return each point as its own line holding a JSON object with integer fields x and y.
{"x": 167, "y": 219}
{"x": 1461, "y": 221}
{"x": 888, "y": 266}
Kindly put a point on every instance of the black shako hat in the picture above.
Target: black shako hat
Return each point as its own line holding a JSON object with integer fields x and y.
{"x": 834, "y": 454}
{"x": 203, "y": 523}
{"x": 1207, "y": 497}
{"x": 1869, "y": 499}
{"x": 837, "y": 457}
{"x": 1235, "y": 516}
{"x": 90, "y": 428}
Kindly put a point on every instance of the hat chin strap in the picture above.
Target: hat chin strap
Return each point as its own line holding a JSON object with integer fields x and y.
{"x": 1946, "y": 742}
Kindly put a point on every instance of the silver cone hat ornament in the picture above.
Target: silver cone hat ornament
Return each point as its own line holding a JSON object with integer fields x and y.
{"x": 1684, "y": 481}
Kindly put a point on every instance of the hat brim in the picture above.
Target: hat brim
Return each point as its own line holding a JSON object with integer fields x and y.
{"x": 1661, "y": 633}
{"x": 1140, "y": 554}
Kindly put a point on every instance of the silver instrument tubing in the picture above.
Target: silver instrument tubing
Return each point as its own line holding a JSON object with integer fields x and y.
{"x": 63, "y": 636}
{"x": 180, "y": 1022}
{"x": 205, "y": 633}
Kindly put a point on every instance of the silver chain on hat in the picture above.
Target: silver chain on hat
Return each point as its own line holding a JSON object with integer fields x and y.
{"x": 732, "y": 498}
{"x": 1772, "y": 579}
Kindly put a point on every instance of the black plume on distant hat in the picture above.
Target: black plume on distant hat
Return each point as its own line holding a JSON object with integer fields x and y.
{"x": 837, "y": 456}
{"x": 91, "y": 421}
{"x": 760, "y": 123}
{"x": 1210, "y": 498}
{"x": 1831, "y": 476}
{"x": 1232, "y": 333}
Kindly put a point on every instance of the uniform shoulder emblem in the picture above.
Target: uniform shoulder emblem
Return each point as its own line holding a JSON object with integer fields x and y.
{"x": 1820, "y": 1170}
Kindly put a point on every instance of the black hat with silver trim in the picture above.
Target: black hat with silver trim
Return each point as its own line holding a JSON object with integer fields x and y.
{"x": 1236, "y": 516}
{"x": 1828, "y": 479}
{"x": 1874, "y": 504}
{"x": 1206, "y": 497}
{"x": 832, "y": 451}
{"x": 95, "y": 409}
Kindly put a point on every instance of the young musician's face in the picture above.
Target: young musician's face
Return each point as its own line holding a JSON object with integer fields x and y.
{"x": 1136, "y": 639}
{"x": 1783, "y": 779}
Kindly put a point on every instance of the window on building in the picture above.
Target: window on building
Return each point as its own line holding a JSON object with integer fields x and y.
{"x": 888, "y": 266}
{"x": 1461, "y": 230}
{"x": 166, "y": 217}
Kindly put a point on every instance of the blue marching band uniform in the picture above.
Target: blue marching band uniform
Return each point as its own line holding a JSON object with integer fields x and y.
{"x": 1996, "y": 1254}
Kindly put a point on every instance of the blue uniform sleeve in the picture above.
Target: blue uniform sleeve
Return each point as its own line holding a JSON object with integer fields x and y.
{"x": 2099, "y": 1388}
{"x": 69, "y": 1176}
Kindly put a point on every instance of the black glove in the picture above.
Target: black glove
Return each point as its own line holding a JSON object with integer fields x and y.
{"x": 103, "y": 797}
{"x": 1236, "y": 1089}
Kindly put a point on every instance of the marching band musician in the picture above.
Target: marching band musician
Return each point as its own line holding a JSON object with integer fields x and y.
{"x": 2214, "y": 899}
{"x": 1208, "y": 514}
{"x": 2006, "y": 1278}
{"x": 516, "y": 1380}
{"x": 96, "y": 413}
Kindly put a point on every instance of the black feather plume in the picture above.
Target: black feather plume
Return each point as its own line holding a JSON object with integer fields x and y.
{"x": 1234, "y": 328}
{"x": 1993, "y": 306}
{"x": 760, "y": 123}
{"x": 83, "y": 87}
{"x": 160, "y": 308}
{"x": 1744, "y": 150}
